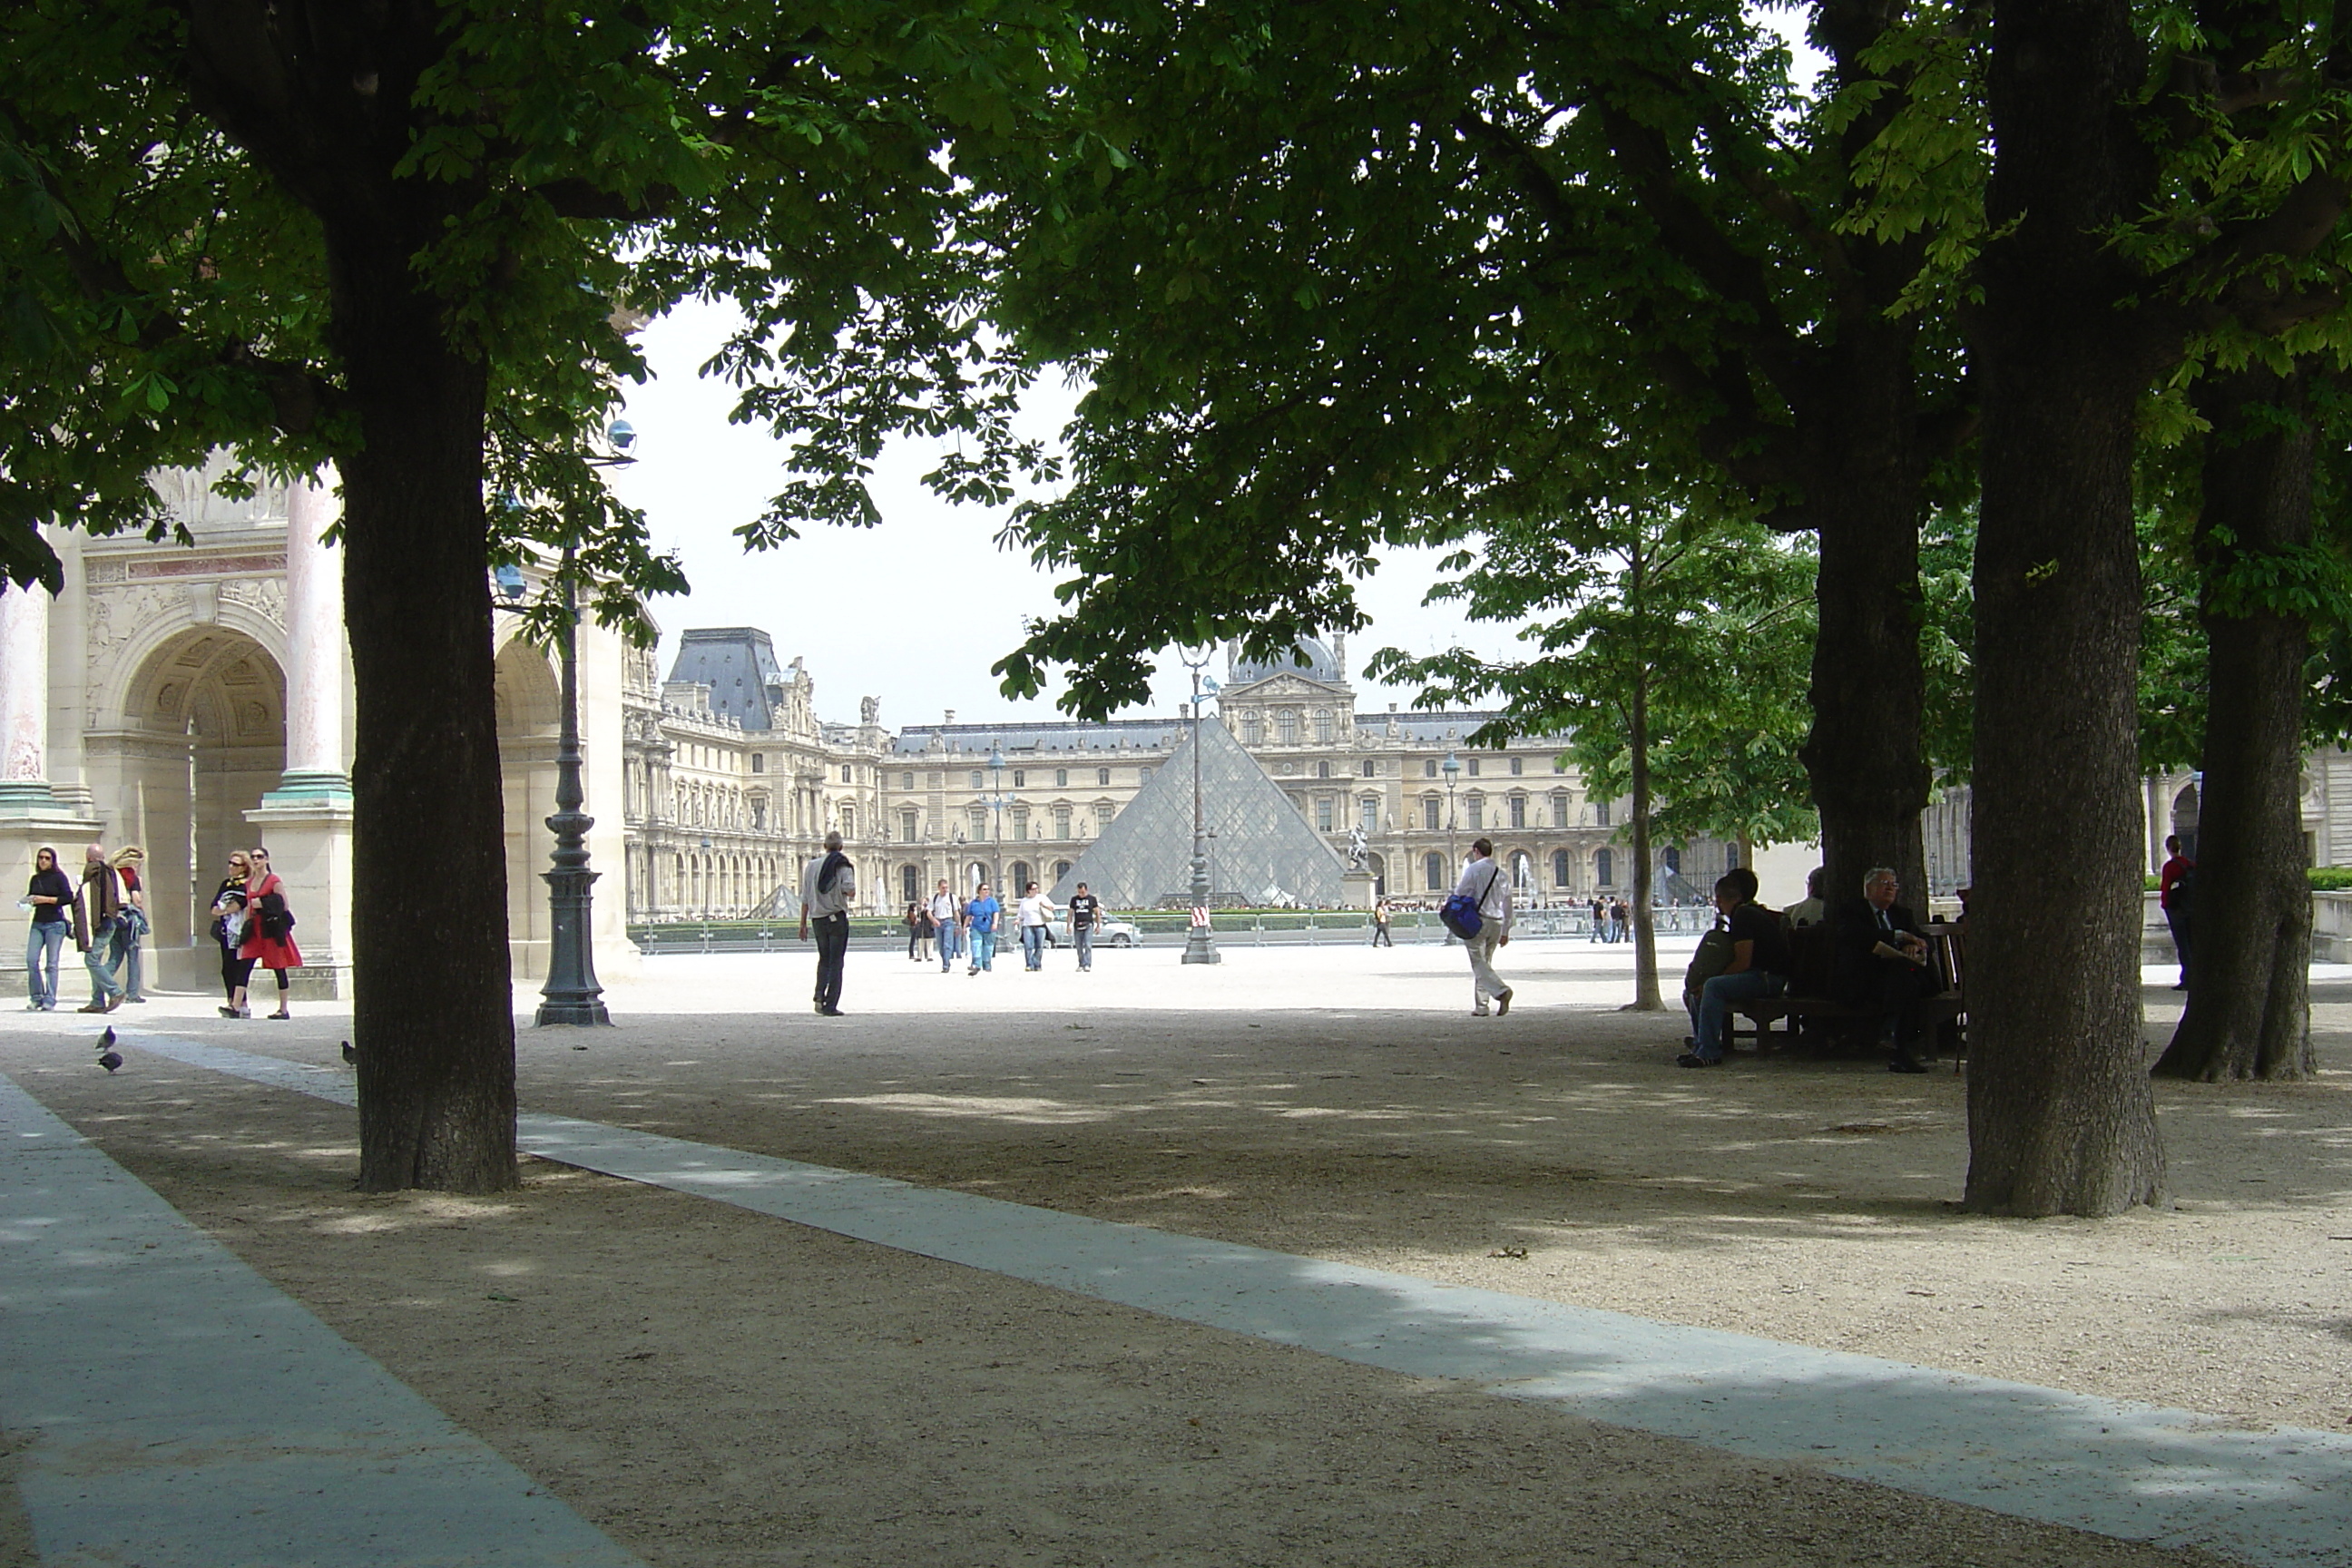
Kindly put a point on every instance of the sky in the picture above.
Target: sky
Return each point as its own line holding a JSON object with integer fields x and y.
{"x": 915, "y": 611}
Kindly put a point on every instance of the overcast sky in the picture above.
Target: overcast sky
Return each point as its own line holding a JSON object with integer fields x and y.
{"x": 913, "y": 612}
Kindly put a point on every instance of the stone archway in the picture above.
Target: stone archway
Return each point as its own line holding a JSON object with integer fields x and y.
{"x": 203, "y": 738}
{"x": 530, "y": 717}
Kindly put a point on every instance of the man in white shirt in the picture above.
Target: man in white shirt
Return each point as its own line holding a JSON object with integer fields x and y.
{"x": 1037, "y": 911}
{"x": 1484, "y": 879}
{"x": 947, "y": 916}
{"x": 829, "y": 886}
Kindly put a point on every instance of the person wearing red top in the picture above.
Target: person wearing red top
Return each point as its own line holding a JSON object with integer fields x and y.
{"x": 2176, "y": 893}
{"x": 130, "y": 930}
{"x": 270, "y": 928}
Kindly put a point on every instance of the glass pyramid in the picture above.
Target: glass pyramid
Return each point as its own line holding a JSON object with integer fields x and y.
{"x": 1261, "y": 851}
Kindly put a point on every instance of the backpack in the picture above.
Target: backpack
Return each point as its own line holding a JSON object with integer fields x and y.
{"x": 2184, "y": 893}
{"x": 1459, "y": 914}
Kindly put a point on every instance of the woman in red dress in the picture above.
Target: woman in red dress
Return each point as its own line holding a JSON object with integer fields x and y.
{"x": 270, "y": 928}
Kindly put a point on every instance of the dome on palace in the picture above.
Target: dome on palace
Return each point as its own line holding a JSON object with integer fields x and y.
{"x": 1312, "y": 659}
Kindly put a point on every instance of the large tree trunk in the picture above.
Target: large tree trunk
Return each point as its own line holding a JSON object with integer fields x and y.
{"x": 433, "y": 1016}
{"x": 2061, "y": 1115}
{"x": 1863, "y": 756}
{"x": 2249, "y": 1010}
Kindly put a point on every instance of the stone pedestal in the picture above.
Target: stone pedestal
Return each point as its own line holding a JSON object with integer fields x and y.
{"x": 1357, "y": 890}
{"x": 25, "y": 830}
{"x": 309, "y": 841}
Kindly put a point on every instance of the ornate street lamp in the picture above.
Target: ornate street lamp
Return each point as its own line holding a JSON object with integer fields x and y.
{"x": 997, "y": 799}
{"x": 1452, "y": 768}
{"x": 1201, "y": 937}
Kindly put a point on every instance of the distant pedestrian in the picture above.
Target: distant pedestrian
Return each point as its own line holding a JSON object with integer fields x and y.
{"x": 828, "y": 884}
{"x": 980, "y": 929}
{"x": 51, "y": 895}
{"x": 1085, "y": 912}
{"x": 2176, "y": 895}
{"x": 947, "y": 925}
{"x": 228, "y": 930}
{"x": 918, "y": 932}
{"x": 97, "y": 908}
{"x": 1036, "y": 917}
{"x": 1380, "y": 917}
{"x": 130, "y": 930}
{"x": 1620, "y": 916}
{"x": 1600, "y": 922}
{"x": 1482, "y": 881}
{"x": 270, "y": 928}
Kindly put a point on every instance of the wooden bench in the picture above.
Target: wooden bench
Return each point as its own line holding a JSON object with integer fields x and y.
{"x": 1808, "y": 1003}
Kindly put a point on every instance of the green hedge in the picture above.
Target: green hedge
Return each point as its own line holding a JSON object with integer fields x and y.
{"x": 2330, "y": 879}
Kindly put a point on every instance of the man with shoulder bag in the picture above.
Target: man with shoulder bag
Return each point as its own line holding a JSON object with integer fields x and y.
{"x": 1480, "y": 913}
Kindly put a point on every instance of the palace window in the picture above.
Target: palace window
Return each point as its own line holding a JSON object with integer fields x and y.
{"x": 1286, "y": 727}
{"x": 906, "y": 780}
{"x": 759, "y": 762}
{"x": 1368, "y": 814}
{"x": 759, "y": 816}
{"x": 1061, "y": 778}
{"x": 1323, "y": 814}
{"x": 1518, "y": 811}
{"x": 1600, "y": 812}
{"x": 1518, "y": 766}
{"x": 848, "y": 775}
{"x": 1432, "y": 873}
{"x": 1371, "y": 769}
{"x": 1559, "y": 868}
{"x": 980, "y": 822}
{"x": 849, "y": 822}
{"x": 1322, "y": 726}
{"x": 1061, "y": 822}
{"x": 1103, "y": 814}
{"x": 907, "y": 826}
{"x": 1429, "y": 767}
{"x": 1020, "y": 778}
{"x": 1428, "y": 819}
{"x": 1322, "y": 770}
{"x": 1477, "y": 813}
{"x": 1604, "y": 868}
{"x": 1249, "y": 730}
{"x": 975, "y": 779}
{"x": 1102, "y": 778}
{"x": 1475, "y": 764}
{"x": 1559, "y": 809}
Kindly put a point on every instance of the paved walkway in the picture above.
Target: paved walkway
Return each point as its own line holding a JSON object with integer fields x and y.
{"x": 184, "y": 1413}
{"x": 2131, "y": 1471}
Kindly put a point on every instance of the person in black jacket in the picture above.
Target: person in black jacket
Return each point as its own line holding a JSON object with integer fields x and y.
{"x": 1882, "y": 965}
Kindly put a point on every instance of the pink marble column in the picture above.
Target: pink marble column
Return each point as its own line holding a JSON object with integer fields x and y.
{"x": 24, "y": 691}
{"x": 314, "y": 646}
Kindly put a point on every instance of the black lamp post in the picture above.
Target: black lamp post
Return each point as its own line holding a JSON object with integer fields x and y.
{"x": 1200, "y": 937}
{"x": 1452, "y": 768}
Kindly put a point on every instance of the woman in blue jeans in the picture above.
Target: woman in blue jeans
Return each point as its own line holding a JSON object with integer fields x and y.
{"x": 48, "y": 894}
{"x": 1758, "y": 967}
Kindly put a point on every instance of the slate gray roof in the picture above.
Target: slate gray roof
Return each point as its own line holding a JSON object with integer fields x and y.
{"x": 739, "y": 664}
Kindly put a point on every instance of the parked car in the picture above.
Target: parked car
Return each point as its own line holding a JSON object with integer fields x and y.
{"x": 1108, "y": 933}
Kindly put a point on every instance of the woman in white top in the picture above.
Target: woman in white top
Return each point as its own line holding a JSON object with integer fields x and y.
{"x": 1037, "y": 911}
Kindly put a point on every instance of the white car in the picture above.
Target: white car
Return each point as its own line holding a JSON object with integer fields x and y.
{"x": 1108, "y": 933}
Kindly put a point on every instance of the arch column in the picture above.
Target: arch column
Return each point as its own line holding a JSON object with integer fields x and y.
{"x": 306, "y": 819}
{"x": 30, "y": 815}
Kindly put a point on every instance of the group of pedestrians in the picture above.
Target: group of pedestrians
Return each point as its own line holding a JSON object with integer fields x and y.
{"x": 105, "y": 915}
{"x": 1611, "y": 920}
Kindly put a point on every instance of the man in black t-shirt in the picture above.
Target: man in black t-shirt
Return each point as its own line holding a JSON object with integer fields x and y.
{"x": 1085, "y": 909}
{"x": 1758, "y": 967}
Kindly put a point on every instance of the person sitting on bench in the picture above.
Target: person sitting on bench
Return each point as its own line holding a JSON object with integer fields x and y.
{"x": 1758, "y": 966}
{"x": 1882, "y": 965}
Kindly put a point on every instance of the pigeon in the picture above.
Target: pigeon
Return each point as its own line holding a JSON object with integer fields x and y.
{"x": 351, "y": 1057}
{"x": 106, "y": 1040}
{"x": 109, "y": 1061}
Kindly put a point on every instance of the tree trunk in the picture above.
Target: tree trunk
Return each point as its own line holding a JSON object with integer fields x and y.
{"x": 1864, "y": 756}
{"x": 2061, "y": 1115}
{"x": 2249, "y": 1010}
{"x": 434, "y": 1008}
{"x": 1646, "y": 926}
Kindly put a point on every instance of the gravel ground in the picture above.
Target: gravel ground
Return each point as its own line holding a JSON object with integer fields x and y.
{"x": 715, "y": 1387}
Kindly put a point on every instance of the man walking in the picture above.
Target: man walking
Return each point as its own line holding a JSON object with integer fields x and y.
{"x": 946, "y": 920}
{"x": 1600, "y": 922}
{"x": 1483, "y": 881}
{"x": 97, "y": 914}
{"x": 979, "y": 921}
{"x": 828, "y": 883}
{"x": 1084, "y": 908}
{"x": 2176, "y": 895}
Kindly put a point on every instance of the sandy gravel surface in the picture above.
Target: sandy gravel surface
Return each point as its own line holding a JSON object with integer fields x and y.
{"x": 716, "y": 1387}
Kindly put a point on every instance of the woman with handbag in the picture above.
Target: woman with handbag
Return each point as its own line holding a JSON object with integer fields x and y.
{"x": 228, "y": 930}
{"x": 270, "y": 928}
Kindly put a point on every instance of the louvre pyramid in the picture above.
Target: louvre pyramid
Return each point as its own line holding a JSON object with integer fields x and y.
{"x": 1144, "y": 858}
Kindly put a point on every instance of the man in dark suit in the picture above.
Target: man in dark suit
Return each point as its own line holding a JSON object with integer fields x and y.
{"x": 1882, "y": 965}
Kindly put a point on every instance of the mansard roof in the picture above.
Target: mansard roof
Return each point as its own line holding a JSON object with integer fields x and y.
{"x": 739, "y": 664}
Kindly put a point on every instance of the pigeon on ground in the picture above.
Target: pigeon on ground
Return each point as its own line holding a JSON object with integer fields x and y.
{"x": 109, "y": 1061}
{"x": 351, "y": 1057}
{"x": 106, "y": 1040}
